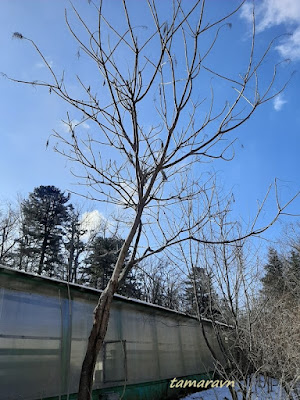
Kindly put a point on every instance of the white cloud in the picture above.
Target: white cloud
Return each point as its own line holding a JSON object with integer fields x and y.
{"x": 278, "y": 12}
{"x": 246, "y": 11}
{"x": 279, "y": 102}
{"x": 91, "y": 222}
{"x": 290, "y": 47}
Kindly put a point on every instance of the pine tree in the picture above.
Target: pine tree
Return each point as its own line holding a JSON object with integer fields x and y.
{"x": 205, "y": 294}
{"x": 274, "y": 284}
{"x": 293, "y": 274}
{"x": 44, "y": 215}
{"x": 131, "y": 286}
{"x": 100, "y": 262}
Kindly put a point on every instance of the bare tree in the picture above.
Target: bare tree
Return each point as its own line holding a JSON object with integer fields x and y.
{"x": 9, "y": 218}
{"x": 160, "y": 283}
{"x": 144, "y": 164}
{"x": 277, "y": 328}
{"x": 276, "y": 341}
{"x": 225, "y": 303}
{"x": 73, "y": 243}
{"x": 260, "y": 336}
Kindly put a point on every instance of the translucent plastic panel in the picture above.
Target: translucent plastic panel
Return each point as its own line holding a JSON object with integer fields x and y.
{"x": 139, "y": 331}
{"x": 207, "y": 362}
{"x": 44, "y": 331}
{"x": 137, "y": 324}
{"x": 114, "y": 361}
{"x": 169, "y": 347}
{"x": 30, "y": 314}
{"x": 30, "y": 353}
{"x": 82, "y": 318}
{"x": 142, "y": 361}
{"x": 189, "y": 334}
{"x": 114, "y": 330}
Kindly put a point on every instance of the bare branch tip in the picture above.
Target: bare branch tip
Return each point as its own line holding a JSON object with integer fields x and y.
{"x": 17, "y": 35}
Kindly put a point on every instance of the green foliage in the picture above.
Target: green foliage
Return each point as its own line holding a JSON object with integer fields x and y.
{"x": 293, "y": 274}
{"x": 282, "y": 275}
{"x": 273, "y": 281}
{"x": 100, "y": 262}
{"x": 44, "y": 215}
{"x": 52, "y": 242}
{"x": 205, "y": 294}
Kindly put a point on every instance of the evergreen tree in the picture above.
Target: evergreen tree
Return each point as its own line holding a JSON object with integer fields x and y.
{"x": 274, "y": 284}
{"x": 205, "y": 294}
{"x": 100, "y": 262}
{"x": 44, "y": 215}
{"x": 293, "y": 274}
{"x": 131, "y": 286}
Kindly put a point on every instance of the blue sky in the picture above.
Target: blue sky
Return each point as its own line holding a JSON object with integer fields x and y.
{"x": 268, "y": 144}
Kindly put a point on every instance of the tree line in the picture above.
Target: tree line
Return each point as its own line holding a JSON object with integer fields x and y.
{"x": 49, "y": 236}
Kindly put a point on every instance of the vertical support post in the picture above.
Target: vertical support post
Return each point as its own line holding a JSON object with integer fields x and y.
{"x": 156, "y": 344}
{"x": 66, "y": 338}
{"x": 184, "y": 370}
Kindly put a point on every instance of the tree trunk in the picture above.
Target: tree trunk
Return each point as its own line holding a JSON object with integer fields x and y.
{"x": 71, "y": 258}
{"x": 101, "y": 318}
{"x": 233, "y": 393}
{"x": 43, "y": 251}
{"x": 75, "y": 268}
{"x": 95, "y": 341}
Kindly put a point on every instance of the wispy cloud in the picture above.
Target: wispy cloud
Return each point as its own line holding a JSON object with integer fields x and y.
{"x": 74, "y": 123}
{"x": 278, "y": 12}
{"x": 290, "y": 47}
{"x": 41, "y": 64}
{"x": 279, "y": 102}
